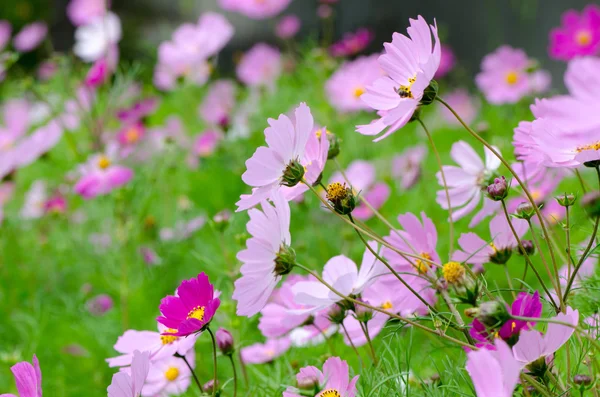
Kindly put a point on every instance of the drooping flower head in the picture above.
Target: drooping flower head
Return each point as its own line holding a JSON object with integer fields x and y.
{"x": 578, "y": 35}
{"x": 191, "y": 309}
{"x": 130, "y": 383}
{"x": 260, "y": 66}
{"x": 495, "y": 373}
{"x": 351, "y": 43}
{"x": 334, "y": 381}
{"x": 28, "y": 378}
{"x": 254, "y": 9}
{"x": 410, "y": 64}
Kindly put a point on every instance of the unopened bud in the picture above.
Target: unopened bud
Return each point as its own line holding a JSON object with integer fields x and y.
{"x": 363, "y": 314}
{"x": 566, "y": 200}
{"x": 591, "y": 203}
{"x": 336, "y": 314}
{"x": 583, "y": 380}
{"x": 498, "y": 190}
{"x": 528, "y": 246}
{"x": 224, "y": 341}
{"x": 334, "y": 145}
{"x": 493, "y": 314}
{"x": 221, "y": 219}
{"x": 209, "y": 386}
{"x": 430, "y": 93}
{"x": 525, "y": 211}
{"x": 293, "y": 174}
{"x": 341, "y": 198}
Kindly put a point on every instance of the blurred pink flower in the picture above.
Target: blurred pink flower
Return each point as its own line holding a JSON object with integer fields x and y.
{"x": 83, "y": 12}
{"x": 333, "y": 381}
{"x": 150, "y": 256}
{"x": 324, "y": 11}
{"x": 261, "y": 353}
{"x": 97, "y": 74}
{"x": 28, "y": 378}
{"x": 539, "y": 81}
{"x": 495, "y": 373}
{"x": 47, "y": 70}
{"x": 346, "y": 86}
{"x": 410, "y": 64}
{"x": 260, "y": 66}
{"x": 97, "y": 38}
{"x": 5, "y": 31}
{"x": 254, "y": 9}
{"x": 447, "y": 62}
{"x": 99, "y": 304}
{"x": 138, "y": 110}
{"x": 503, "y": 77}
{"x": 407, "y": 166}
{"x": 578, "y": 35}
{"x": 30, "y": 36}
{"x": 183, "y": 229}
{"x": 57, "y": 204}
{"x": 130, "y": 383}
{"x": 287, "y": 27}
{"x": 352, "y": 42}
{"x": 463, "y": 103}
{"x": 207, "y": 142}
{"x": 218, "y": 104}
{"x": 100, "y": 176}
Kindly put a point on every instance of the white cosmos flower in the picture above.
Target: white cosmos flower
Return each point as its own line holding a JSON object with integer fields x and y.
{"x": 93, "y": 41}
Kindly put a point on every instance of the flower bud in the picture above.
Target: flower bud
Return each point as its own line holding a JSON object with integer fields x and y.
{"x": 221, "y": 220}
{"x": 209, "y": 386}
{"x": 430, "y": 93}
{"x": 525, "y": 211}
{"x": 583, "y": 380}
{"x": 363, "y": 314}
{"x": 341, "y": 198}
{"x": 224, "y": 341}
{"x": 336, "y": 314}
{"x": 334, "y": 145}
{"x": 285, "y": 260}
{"x": 566, "y": 200}
{"x": 528, "y": 246}
{"x": 307, "y": 381}
{"x": 493, "y": 314}
{"x": 498, "y": 190}
{"x": 591, "y": 203}
{"x": 293, "y": 174}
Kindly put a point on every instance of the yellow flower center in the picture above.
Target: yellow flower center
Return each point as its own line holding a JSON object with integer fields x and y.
{"x": 593, "y": 146}
{"x": 168, "y": 339}
{"x": 336, "y": 191}
{"x": 405, "y": 90}
{"x": 387, "y": 305}
{"x": 512, "y": 78}
{"x": 536, "y": 195}
{"x": 132, "y": 135}
{"x": 318, "y": 133}
{"x": 171, "y": 374}
{"x": 453, "y": 272}
{"x": 358, "y": 91}
{"x": 197, "y": 313}
{"x": 103, "y": 162}
{"x": 329, "y": 393}
{"x": 583, "y": 37}
{"x": 421, "y": 265}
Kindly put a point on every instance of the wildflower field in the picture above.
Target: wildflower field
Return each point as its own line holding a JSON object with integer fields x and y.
{"x": 316, "y": 220}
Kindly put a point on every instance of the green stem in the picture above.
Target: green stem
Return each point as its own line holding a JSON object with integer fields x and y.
{"x": 365, "y": 331}
{"x": 581, "y": 260}
{"x": 353, "y": 346}
{"x": 234, "y": 375}
{"x": 539, "y": 387}
{"x": 456, "y": 315}
{"x": 214, "y": 344}
{"x": 191, "y": 370}
{"x": 555, "y": 283}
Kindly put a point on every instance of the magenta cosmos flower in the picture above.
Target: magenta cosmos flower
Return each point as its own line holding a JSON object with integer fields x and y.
{"x": 410, "y": 64}
{"x": 82, "y": 12}
{"x": 406, "y": 167}
{"x": 333, "y": 381}
{"x": 28, "y": 378}
{"x": 467, "y": 182}
{"x": 278, "y": 163}
{"x": 254, "y": 9}
{"x": 260, "y": 353}
{"x": 346, "y": 86}
{"x": 206, "y": 143}
{"x": 498, "y": 249}
{"x": 447, "y": 62}
{"x": 100, "y": 176}
{"x": 217, "y": 106}
{"x": 191, "y": 309}
{"x": 287, "y": 27}
{"x": 533, "y": 345}
{"x": 495, "y": 373}
{"x": 352, "y": 42}
{"x": 170, "y": 376}
{"x": 130, "y": 383}
{"x": 267, "y": 257}
{"x": 260, "y": 66}
{"x": 578, "y": 35}
{"x": 158, "y": 344}
{"x": 30, "y": 36}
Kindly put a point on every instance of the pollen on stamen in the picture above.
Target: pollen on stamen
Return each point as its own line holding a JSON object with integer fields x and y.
{"x": 387, "y": 305}
{"x": 593, "y": 146}
{"x": 421, "y": 265}
{"x": 168, "y": 339}
{"x": 197, "y": 313}
{"x": 330, "y": 393}
{"x": 172, "y": 374}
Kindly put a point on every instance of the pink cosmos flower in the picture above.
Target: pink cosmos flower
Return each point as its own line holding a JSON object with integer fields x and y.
{"x": 268, "y": 168}
{"x": 5, "y": 31}
{"x": 150, "y": 256}
{"x": 315, "y": 333}
{"x": 503, "y": 77}
{"x": 407, "y": 166}
{"x": 341, "y": 273}
{"x": 578, "y": 35}
{"x": 28, "y": 378}
{"x": 138, "y": 110}
{"x": 466, "y": 182}
{"x": 98, "y": 74}
{"x": 30, "y": 36}
{"x": 206, "y": 143}
{"x": 497, "y": 249}
{"x": 130, "y": 383}
{"x": 324, "y": 11}
{"x": 260, "y": 66}
{"x": 47, "y": 70}
{"x": 267, "y": 255}
{"x": 159, "y": 344}
{"x": 100, "y": 176}
{"x": 262, "y": 9}
{"x": 447, "y": 62}
{"x": 191, "y": 309}
{"x": 463, "y": 103}
{"x": 287, "y": 27}
{"x": 495, "y": 373}
{"x": 539, "y": 81}
{"x": 83, "y": 12}
{"x": 533, "y": 345}
{"x": 361, "y": 176}
{"x": 56, "y": 204}
{"x": 410, "y": 64}
{"x": 260, "y": 353}
{"x": 333, "y": 381}
{"x": 129, "y": 136}
{"x": 352, "y": 43}
{"x": 346, "y": 86}
{"x": 217, "y": 106}
{"x": 170, "y": 376}
{"x": 97, "y": 38}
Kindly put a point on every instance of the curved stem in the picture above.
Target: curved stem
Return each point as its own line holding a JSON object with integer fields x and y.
{"x": 234, "y": 375}
{"x": 352, "y": 344}
{"x": 443, "y": 175}
{"x": 509, "y": 281}
{"x": 555, "y": 283}
{"x": 365, "y": 331}
{"x": 214, "y": 343}
{"x": 539, "y": 387}
{"x": 456, "y": 315}
{"x": 581, "y": 260}
{"x": 327, "y": 340}
{"x": 191, "y": 370}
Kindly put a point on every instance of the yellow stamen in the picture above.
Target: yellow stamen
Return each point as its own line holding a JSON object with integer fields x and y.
{"x": 197, "y": 313}
{"x": 329, "y": 393}
{"x": 421, "y": 265}
{"x": 512, "y": 78}
{"x": 336, "y": 191}
{"x": 358, "y": 91}
{"x": 494, "y": 247}
{"x": 405, "y": 90}
{"x": 453, "y": 272}
{"x": 168, "y": 339}
{"x": 593, "y": 146}
{"x": 171, "y": 374}
{"x": 103, "y": 162}
{"x": 513, "y": 326}
{"x": 583, "y": 37}
{"x": 387, "y": 305}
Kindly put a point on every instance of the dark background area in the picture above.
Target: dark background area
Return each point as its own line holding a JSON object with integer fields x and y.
{"x": 472, "y": 28}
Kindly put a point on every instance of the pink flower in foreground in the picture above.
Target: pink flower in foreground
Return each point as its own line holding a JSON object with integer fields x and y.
{"x": 254, "y": 9}
{"x": 267, "y": 257}
{"x": 28, "y": 378}
{"x": 578, "y": 35}
{"x": 346, "y": 86}
{"x": 497, "y": 249}
{"x": 260, "y": 353}
{"x": 352, "y": 43}
{"x": 467, "y": 182}
{"x": 191, "y": 309}
{"x": 495, "y": 373}
{"x": 5, "y": 31}
{"x": 206, "y": 143}
{"x": 217, "y": 106}
{"x": 463, "y": 103}
{"x": 447, "y": 62}
{"x": 100, "y": 176}
{"x": 82, "y": 12}
{"x": 30, "y": 36}
{"x": 278, "y": 163}
{"x": 159, "y": 344}
{"x": 410, "y": 64}
{"x": 169, "y": 377}
{"x": 407, "y": 166}
{"x": 533, "y": 345}
{"x": 333, "y": 381}
{"x": 260, "y": 66}
{"x": 287, "y": 27}
{"x": 130, "y": 383}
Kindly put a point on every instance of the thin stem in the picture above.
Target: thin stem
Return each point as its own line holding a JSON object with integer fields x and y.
{"x": 352, "y": 344}
{"x": 581, "y": 260}
{"x": 327, "y": 339}
{"x": 442, "y": 174}
{"x": 555, "y": 283}
{"x": 365, "y": 331}
{"x": 214, "y": 343}
{"x": 524, "y": 275}
{"x": 568, "y": 237}
{"x": 234, "y": 375}
{"x": 243, "y": 366}
{"x": 538, "y": 386}
{"x": 191, "y": 370}
{"x": 509, "y": 281}
{"x": 456, "y": 315}
{"x": 584, "y": 185}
